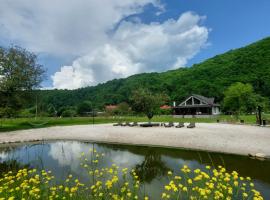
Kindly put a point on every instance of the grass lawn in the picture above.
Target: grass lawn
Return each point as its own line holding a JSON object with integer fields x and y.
{"x": 27, "y": 123}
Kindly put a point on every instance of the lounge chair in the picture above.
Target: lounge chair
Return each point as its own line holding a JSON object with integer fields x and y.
{"x": 149, "y": 124}
{"x": 180, "y": 125}
{"x": 133, "y": 124}
{"x": 118, "y": 124}
{"x": 125, "y": 124}
{"x": 191, "y": 125}
{"x": 170, "y": 124}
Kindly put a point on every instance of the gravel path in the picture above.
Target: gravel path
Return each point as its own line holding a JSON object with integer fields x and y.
{"x": 235, "y": 139}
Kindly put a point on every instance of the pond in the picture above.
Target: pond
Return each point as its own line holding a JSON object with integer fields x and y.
{"x": 62, "y": 157}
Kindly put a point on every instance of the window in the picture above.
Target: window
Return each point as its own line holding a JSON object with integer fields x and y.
{"x": 197, "y": 101}
{"x": 189, "y": 102}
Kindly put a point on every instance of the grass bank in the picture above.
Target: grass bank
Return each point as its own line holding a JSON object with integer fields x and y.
{"x": 12, "y": 124}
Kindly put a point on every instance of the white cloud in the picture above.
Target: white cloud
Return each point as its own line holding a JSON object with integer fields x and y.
{"x": 61, "y": 26}
{"x": 3, "y": 156}
{"x": 106, "y": 45}
{"x": 137, "y": 47}
{"x": 66, "y": 153}
{"x": 125, "y": 159}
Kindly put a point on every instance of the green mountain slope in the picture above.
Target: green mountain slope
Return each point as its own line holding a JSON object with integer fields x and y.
{"x": 250, "y": 64}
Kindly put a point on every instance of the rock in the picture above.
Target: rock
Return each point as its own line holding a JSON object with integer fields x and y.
{"x": 259, "y": 156}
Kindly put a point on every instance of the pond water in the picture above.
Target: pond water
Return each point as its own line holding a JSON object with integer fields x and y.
{"x": 62, "y": 157}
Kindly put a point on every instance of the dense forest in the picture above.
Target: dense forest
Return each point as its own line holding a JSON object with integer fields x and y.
{"x": 250, "y": 64}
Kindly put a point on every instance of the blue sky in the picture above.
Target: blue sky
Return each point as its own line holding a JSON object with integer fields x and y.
{"x": 234, "y": 23}
{"x": 84, "y": 44}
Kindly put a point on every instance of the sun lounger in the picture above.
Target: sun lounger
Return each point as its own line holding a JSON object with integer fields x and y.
{"x": 180, "y": 125}
{"x": 118, "y": 124}
{"x": 170, "y": 124}
{"x": 133, "y": 124}
{"x": 191, "y": 125}
{"x": 149, "y": 124}
{"x": 125, "y": 124}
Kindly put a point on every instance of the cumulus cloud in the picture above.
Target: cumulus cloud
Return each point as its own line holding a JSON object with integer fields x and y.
{"x": 3, "y": 156}
{"x": 105, "y": 42}
{"x": 66, "y": 153}
{"x": 64, "y": 27}
{"x": 137, "y": 47}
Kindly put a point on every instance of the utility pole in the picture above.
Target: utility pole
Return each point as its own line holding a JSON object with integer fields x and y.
{"x": 260, "y": 114}
{"x": 93, "y": 117}
{"x": 36, "y": 107}
{"x": 92, "y": 111}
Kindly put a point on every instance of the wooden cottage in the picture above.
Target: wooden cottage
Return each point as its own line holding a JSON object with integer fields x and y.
{"x": 197, "y": 105}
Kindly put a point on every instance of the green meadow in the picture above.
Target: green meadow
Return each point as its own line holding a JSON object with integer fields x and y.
{"x": 11, "y": 124}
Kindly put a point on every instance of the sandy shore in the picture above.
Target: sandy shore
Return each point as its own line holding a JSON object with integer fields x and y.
{"x": 235, "y": 139}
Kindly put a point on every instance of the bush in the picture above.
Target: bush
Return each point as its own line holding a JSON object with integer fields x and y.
{"x": 165, "y": 112}
{"x": 84, "y": 107}
{"x": 68, "y": 113}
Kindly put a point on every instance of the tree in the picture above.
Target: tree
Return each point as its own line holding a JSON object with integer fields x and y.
{"x": 241, "y": 98}
{"x": 84, "y": 107}
{"x": 68, "y": 113}
{"x": 143, "y": 101}
{"x": 19, "y": 74}
{"x": 152, "y": 167}
{"x": 122, "y": 109}
{"x": 51, "y": 110}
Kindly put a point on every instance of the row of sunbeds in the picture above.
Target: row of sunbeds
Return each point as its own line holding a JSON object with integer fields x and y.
{"x": 179, "y": 125}
{"x": 166, "y": 125}
{"x": 131, "y": 124}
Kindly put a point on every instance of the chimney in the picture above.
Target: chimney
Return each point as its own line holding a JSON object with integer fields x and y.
{"x": 174, "y": 104}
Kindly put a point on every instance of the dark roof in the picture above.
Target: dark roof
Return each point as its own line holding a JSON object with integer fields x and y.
{"x": 164, "y": 107}
{"x": 209, "y": 102}
{"x": 111, "y": 107}
{"x": 205, "y": 99}
{"x": 196, "y": 106}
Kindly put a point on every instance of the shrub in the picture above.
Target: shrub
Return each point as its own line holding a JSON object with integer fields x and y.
{"x": 68, "y": 113}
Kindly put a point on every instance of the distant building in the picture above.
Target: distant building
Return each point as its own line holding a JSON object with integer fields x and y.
{"x": 165, "y": 107}
{"x": 197, "y": 105}
{"x": 110, "y": 107}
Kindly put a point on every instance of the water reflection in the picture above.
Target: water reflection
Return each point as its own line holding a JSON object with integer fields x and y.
{"x": 151, "y": 164}
{"x": 9, "y": 165}
{"x": 151, "y": 167}
{"x": 67, "y": 154}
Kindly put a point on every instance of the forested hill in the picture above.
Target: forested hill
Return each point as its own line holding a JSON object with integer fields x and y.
{"x": 250, "y": 64}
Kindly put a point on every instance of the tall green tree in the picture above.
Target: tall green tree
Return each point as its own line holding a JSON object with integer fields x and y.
{"x": 19, "y": 75}
{"x": 84, "y": 107}
{"x": 122, "y": 109}
{"x": 144, "y": 101}
{"x": 241, "y": 98}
